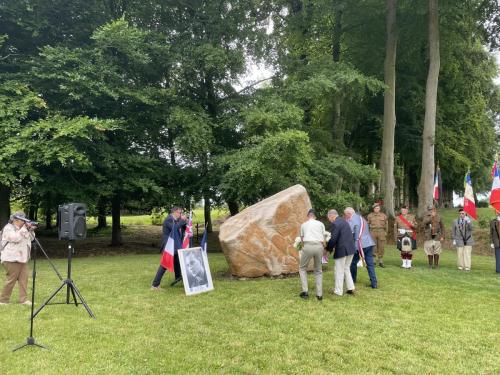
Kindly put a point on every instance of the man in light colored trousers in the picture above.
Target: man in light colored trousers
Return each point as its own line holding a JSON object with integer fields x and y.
{"x": 462, "y": 239}
{"x": 342, "y": 241}
{"x": 312, "y": 234}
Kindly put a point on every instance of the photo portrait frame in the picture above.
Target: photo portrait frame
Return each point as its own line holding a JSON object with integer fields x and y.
{"x": 195, "y": 270}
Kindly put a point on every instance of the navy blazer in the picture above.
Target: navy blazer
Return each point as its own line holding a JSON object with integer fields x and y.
{"x": 342, "y": 239}
{"x": 168, "y": 225}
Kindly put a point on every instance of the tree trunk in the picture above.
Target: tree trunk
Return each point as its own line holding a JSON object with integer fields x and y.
{"x": 208, "y": 215}
{"x": 116, "y": 232}
{"x": 338, "y": 124}
{"x": 387, "y": 155}
{"x": 4, "y": 205}
{"x": 48, "y": 217}
{"x": 429, "y": 134}
{"x": 233, "y": 207}
{"x": 101, "y": 213}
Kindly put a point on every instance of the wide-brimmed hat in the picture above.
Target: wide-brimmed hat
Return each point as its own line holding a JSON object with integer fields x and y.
{"x": 19, "y": 215}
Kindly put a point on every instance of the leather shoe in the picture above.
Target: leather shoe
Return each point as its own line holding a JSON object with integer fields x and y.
{"x": 304, "y": 295}
{"x": 381, "y": 265}
{"x": 351, "y": 292}
{"x": 320, "y": 298}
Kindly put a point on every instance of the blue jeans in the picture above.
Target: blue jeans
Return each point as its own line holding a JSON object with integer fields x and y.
{"x": 497, "y": 259}
{"x": 370, "y": 266}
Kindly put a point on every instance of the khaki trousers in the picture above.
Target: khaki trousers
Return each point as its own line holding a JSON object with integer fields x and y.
{"x": 379, "y": 237}
{"x": 311, "y": 250}
{"x": 343, "y": 272}
{"x": 15, "y": 272}
{"x": 464, "y": 257}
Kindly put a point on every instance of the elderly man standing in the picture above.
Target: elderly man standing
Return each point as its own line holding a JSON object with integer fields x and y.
{"x": 364, "y": 243}
{"x": 433, "y": 236}
{"x": 462, "y": 239}
{"x": 378, "y": 224}
{"x": 341, "y": 241}
{"x": 312, "y": 235}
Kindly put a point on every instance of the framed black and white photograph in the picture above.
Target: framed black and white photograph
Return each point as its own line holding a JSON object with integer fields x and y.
{"x": 195, "y": 270}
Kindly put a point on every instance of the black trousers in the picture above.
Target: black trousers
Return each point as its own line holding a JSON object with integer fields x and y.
{"x": 161, "y": 271}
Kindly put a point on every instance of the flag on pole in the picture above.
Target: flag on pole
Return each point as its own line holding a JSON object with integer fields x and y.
{"x": 437, "y": 178}
{"x": 173, "y": 242}
{"x": 494, "y": 168}
{"x": 203, "y": 242}
{"x": 188, "y": 234}
{"x": 495, "y": 191}
{"x": 469, "y": 202}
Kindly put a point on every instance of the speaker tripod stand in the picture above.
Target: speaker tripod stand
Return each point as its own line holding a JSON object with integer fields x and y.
{"x": 71, "y": 289}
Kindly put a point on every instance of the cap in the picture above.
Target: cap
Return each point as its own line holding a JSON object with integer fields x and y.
{"x": 376, "y": 204}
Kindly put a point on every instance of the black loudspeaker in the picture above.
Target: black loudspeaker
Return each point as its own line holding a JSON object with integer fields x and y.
{"x": 72, "y": 221}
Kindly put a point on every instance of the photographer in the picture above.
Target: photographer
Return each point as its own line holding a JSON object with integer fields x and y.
{"x": 15, "y": 254}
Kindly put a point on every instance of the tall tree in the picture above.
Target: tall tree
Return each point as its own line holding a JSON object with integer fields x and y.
{"x": 429, "y": 133}
{"x": 387, "y": 184}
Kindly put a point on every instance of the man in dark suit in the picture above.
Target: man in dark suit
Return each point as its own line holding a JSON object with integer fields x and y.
{"x": 495, "y": 239}
{"x": 342, "y": 241}
{"x": 177, "y": 220}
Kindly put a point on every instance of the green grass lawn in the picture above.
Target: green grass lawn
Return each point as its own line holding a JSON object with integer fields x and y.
{"x": 420, "y": 321}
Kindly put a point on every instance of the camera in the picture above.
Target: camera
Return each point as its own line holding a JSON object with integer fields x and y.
{"x": 27, "y": 221}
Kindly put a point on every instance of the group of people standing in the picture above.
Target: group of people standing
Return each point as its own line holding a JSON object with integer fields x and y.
{"x": 354, "y": 238}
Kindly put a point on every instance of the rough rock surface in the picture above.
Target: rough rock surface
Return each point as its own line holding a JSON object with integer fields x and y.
{"x": 259, "y": 240}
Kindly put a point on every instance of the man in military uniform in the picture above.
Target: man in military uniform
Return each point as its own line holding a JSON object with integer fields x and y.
{"x": 433, "y": 235}
{"x": 378, "y": 224}
{"x": 405, "y": 225}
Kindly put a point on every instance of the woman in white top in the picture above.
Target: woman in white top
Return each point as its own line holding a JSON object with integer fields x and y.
{"x": 15, "y": 254}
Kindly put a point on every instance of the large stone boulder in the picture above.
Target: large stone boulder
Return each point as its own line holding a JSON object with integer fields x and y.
{"x": 259, "y": 240}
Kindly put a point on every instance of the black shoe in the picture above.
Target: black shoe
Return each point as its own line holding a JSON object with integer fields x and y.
{"x": 320, "y": 298}
{"x": 381, "y": 265}
{"x": 176, "y": 281}
{"x": 304, "y": 295}
{"x": 351, "y": 292}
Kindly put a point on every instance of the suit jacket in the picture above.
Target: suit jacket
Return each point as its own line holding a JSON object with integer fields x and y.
{"x": 495, "y": 235}
{"x": 341, "y": 239}
{"x": 462, "y": 232}
{"x": 356, "y": 222}
{"x": 168, "y": 225}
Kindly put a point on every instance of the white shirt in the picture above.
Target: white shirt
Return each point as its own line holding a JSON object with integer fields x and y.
{"x": 312, "y": 231}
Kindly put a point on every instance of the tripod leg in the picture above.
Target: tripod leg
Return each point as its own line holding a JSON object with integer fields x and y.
{"x": 49, "y": 299}
{"x": 82, "y": 300}
{"x": 72, "y": 286}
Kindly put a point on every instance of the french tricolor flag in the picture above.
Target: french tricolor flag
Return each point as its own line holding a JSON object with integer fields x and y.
{"x": 495, "y": 191}
{"x": 469, "y": 202}
{"x": 188, "y": 234}
{"x": 167, "y": 258}
{"x": 437, "y": 176}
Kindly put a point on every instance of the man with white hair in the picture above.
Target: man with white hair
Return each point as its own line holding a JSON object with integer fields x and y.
{"x": 312, "y": 235}
{"x": 341, "y": 241}
{"x": 364, "y": 244}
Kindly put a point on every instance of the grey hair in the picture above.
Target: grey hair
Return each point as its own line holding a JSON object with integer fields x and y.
{"x": 349, "y": 210}
{"x": 333, "y": 212}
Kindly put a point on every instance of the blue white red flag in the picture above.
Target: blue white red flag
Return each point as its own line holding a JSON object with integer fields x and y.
{"x": 203, "y": 242}
{"x": 469, "y": 201}
{"x": 495, "y": 191}
{"x": 437, "y": 177}
{"x": 188, "y": 234}
{"x": 167, "y": 258}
